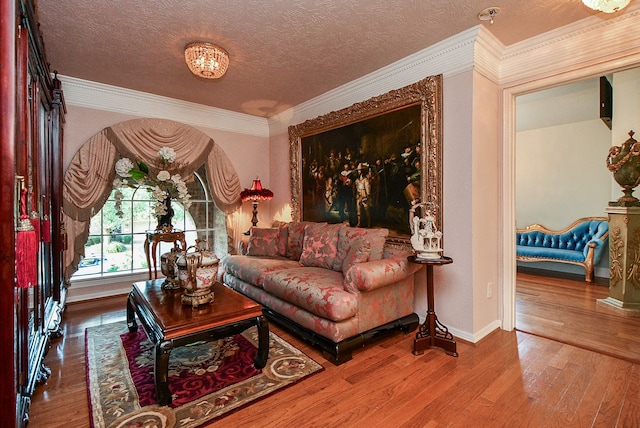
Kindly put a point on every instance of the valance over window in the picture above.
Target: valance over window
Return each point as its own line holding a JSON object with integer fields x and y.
{"x": 89, "y": 177}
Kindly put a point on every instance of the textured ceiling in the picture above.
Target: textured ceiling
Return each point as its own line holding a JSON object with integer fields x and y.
{"x": 283, "y": 52}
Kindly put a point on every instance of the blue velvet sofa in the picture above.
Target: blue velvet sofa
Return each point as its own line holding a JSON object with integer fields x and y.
{"x": 582, "y": 243}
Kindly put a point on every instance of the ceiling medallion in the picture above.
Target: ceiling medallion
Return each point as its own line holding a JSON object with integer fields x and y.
{"x": 206, "y": 59}
{"x": 607, "y": 6}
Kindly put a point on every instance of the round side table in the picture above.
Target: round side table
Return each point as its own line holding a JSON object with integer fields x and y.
{"x": 432, "y": 332}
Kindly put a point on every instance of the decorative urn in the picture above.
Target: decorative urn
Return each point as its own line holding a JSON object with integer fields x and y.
{"x": 169, "y": 268}
{"x": 197, "y": 271}
{"x": 425, "y": 238}
{"x": 624, "y": 162}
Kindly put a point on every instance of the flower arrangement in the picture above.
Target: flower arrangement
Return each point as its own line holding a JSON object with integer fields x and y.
{"x": 164, "y": 186}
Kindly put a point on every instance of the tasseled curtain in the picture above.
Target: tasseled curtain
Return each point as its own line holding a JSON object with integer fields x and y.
{"x": 89, "y": 177}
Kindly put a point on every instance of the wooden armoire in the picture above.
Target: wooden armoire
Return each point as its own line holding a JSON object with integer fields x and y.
{"x": 32, "y": 291}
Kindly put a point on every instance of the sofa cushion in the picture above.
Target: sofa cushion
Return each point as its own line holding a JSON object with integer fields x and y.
{"x": 316, "y": 290}
{"x": 262, "y": 240}
{"x": 347, "y": 235}
{"x": 335, "y": 331}
{"x": 295, "y": 239}
{"x": 549, "y": 253}
{"x": 358, "y": 253}
{"x": 320, "y": 245}
{"x": 253, "y": 269}
{"x": 283, "y": 236}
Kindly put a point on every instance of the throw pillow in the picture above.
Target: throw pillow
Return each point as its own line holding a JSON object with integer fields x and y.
{"x": 376, "y": 238}
{"x": 358, "y": 253}
{"x": 295, "y": 239}
{"x": 261, "y": 242}
{"x": 283, "y": 237}
{"x": 320, "y": 245}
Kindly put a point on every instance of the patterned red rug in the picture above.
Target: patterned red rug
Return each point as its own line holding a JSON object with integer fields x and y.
{"x": 207, "y": 379}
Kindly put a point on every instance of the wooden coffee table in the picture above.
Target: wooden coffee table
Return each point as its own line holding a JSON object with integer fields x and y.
{"x": 169, "y": 324}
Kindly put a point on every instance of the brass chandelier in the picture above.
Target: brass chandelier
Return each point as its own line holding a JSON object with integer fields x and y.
{"x": 206, "y": 59}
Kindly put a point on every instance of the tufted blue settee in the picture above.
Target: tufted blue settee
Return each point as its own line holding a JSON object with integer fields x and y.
{"x": 582, "y": 243}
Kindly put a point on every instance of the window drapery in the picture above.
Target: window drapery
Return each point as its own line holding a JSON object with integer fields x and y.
{"x": 89, "y": 177}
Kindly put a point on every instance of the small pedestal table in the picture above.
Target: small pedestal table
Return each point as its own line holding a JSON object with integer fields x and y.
{"x": 432, "y": 332}
{"x": 152, "y": 238}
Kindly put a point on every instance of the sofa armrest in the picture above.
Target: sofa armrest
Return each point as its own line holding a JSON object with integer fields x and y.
{"x": 598, "y": 245}
{"x": 242, "y": 247}
{"x": 379, "y": 273}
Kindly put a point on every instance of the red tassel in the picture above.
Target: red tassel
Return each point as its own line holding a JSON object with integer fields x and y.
{"x": 26, "y": 254}
{"x": 46, "y": 230}
{"x": 35, "y": 222}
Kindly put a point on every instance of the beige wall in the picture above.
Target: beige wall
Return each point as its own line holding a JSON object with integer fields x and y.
{"x": 486, "y": 211}
{"x": 561, "y": 174}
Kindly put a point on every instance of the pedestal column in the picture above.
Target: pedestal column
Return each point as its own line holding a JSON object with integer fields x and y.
{"x": 624, "y": 261}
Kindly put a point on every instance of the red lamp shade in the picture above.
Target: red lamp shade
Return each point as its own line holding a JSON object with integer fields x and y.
{"x": 256, "y": 193}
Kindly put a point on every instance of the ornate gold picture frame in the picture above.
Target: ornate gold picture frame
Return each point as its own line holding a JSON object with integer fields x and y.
{"x": 387, "y": 149}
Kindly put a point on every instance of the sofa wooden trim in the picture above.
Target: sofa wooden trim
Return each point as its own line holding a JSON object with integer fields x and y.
{"x": 341, "y": 352}
{"x": 588, "y": 263}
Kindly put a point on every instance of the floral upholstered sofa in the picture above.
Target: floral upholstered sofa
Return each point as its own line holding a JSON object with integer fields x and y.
{"x": 334, "y": 285}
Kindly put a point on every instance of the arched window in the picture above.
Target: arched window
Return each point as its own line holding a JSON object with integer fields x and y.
{"x": 115, "y": 245}
{"x": 89, "y": 178}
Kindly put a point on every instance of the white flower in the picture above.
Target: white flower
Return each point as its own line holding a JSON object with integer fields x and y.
{"x": 118, "y": 205}
{"x": 167, "y": 154}
{"x": 160, "y": 209}
{"x": 159, "y": 194}
{"x": 163, "y": 176}
{"x": 123, "y": 166}
{"x": 163, "y": 186}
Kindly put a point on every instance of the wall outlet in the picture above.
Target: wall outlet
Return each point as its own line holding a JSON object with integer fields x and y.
{"x": 489, "y": 289}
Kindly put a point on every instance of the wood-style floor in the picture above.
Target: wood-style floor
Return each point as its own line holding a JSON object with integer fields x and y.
{"x": 509, "y": 379}
{"x": 566, "y": 310}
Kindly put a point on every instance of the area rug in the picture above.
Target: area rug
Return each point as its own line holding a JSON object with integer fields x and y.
{"x": 207, "y": 379}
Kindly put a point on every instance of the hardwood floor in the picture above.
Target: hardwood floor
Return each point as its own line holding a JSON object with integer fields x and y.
{"x": 509, "y": 379}
{"x": 566, "y": 310}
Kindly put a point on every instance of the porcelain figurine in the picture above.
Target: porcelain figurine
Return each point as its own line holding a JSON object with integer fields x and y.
{"x": 425, "y": 238}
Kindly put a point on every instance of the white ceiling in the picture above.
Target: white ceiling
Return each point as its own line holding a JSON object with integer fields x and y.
{"x": 282, "y": 52}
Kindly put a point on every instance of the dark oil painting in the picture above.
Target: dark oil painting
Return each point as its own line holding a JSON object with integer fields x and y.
{"x": 367, "y": 173}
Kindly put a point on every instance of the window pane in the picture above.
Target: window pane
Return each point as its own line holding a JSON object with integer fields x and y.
{"x": 116, "y": 242}
{"x": 139, "y": 258}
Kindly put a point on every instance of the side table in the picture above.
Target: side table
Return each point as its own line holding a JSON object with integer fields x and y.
{"x": 152, "y": 238}
{"x": 170, "y": 324}
{"x": 432, "y": 332}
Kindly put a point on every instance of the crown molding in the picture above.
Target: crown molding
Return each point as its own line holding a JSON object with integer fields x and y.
{"x": 488, "y": 54}
{"x": 84, "y": 93}
{"x": 577, "y": 48}
{"x": 450, "y": 57}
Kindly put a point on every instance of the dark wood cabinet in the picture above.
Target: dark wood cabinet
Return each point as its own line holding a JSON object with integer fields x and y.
{"x": 32, "y": 293}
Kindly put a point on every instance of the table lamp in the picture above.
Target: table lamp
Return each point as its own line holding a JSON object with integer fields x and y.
{"x": 256, "y": 194}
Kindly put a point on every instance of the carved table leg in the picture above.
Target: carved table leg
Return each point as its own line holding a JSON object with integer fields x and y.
{"x": 146, "y": 254}
{"x": 161, "y": 354}
{"x": 131, "y": 315}
{"x": 432, "y": 332}
{"x": 263, "y": 343}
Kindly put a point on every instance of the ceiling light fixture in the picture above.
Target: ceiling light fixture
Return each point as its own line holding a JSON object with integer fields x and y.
{"x": 607, "y": 6}
{"x": 206, "y": 59}
{"x": 488, "y": 14}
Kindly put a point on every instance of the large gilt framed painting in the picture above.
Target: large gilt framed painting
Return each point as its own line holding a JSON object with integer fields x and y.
{"x": 368, "y": 163}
